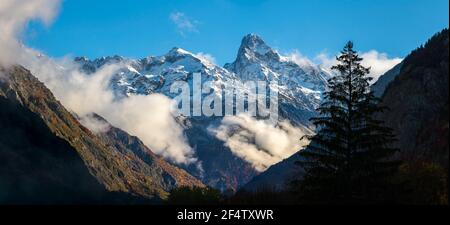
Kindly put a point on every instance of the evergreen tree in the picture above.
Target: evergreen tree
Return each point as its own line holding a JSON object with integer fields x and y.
{"x": 348, "y": 160}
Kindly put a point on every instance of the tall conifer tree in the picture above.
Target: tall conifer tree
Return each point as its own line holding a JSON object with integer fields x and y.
{"x": 349, "y": 159}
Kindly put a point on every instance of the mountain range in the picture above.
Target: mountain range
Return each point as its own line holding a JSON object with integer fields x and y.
{"x": 299, "y": 88}
{"x": 44, "y": 146}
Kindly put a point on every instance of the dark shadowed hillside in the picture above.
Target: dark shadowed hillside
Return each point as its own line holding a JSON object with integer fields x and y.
{"x": 418, "y": 102}
{"x": 38, "y": 167}
{"x": 114, "y": 169}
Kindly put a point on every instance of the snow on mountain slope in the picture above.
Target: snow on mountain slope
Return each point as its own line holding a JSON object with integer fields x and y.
{"x": 255, "y": 61}
{"x": 299, "y": 84}
{"x": 300, "y": 88}
{"x": 156, "y": 74}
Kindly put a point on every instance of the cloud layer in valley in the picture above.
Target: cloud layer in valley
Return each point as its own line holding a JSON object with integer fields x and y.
{"x": 260, "y": 143}
{"x": 148, "y": 117}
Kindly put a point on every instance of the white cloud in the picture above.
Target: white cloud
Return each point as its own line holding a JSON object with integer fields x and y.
{"x": 94, "y": 124}
{"x": 148, "y": 117}
{"x": 260, "y": 143}
{"x": 299, "y": 59}
{"x": 379, "y": 63}
{"x": 324, "y": 60}
{"x": 183, "y": 23}
{"x": 14, "y": 16}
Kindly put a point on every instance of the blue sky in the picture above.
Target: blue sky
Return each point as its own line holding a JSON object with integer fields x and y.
{"x": 138, "y": 28}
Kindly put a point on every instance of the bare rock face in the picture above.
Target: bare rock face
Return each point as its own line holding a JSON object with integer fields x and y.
{"x": 108, "y": 160}
{"x": 418, "y": 102}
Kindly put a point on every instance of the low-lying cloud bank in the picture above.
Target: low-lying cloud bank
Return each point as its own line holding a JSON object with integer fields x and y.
{"x": 260, "y": 143}
{"x": 148, "y": 117}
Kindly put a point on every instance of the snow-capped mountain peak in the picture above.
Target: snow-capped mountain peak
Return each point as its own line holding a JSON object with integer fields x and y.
{"x": 254, "y": 45}
{"x": 255, "y": 61}
{"x": 178, "y": 51}
{"x": 299, "y": 85}
{"x": 156, "y": 73}
{"x": 187, "y": 59}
